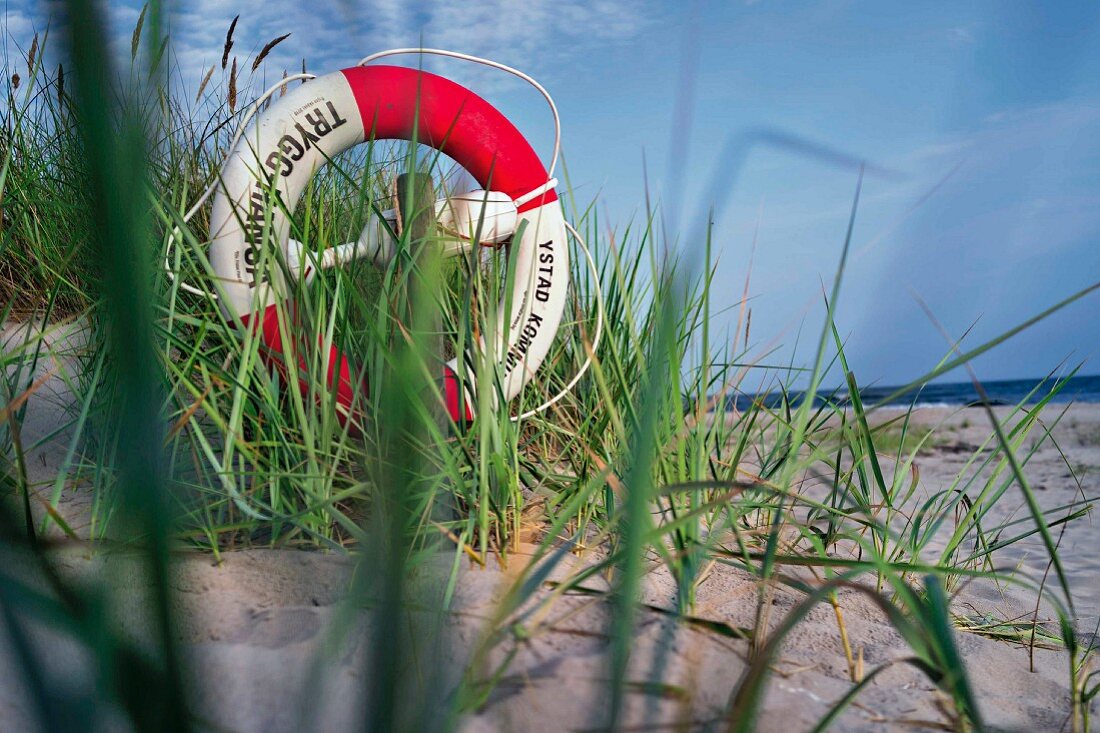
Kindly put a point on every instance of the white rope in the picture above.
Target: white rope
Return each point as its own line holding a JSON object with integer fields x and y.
{"x": 595, "y": 340}
{"x": 494, "y": 65}
{"x": 536, "y": 192}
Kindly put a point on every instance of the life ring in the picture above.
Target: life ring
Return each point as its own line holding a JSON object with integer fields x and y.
{"x": 299, "y": 133}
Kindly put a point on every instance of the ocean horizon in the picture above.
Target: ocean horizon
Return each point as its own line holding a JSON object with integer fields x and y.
{"x": 942, "y": 394}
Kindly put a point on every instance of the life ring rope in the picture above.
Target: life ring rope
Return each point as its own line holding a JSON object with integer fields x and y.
{"x": 519, "y": 201}
{"x": 555, "y": 153}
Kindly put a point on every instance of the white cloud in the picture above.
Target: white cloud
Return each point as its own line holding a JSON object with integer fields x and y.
{"x": 961, "y": 34}
{"x": 537, "y": 36}
{"x": 19, "y": 26}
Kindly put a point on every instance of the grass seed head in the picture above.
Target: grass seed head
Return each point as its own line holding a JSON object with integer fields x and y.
{"x": 32, "y": 54}
{"x": 15, "y": 80}
{"x": 136, "y": 39}
{"x": 229, "y": 41}
{"x": 233, "y": 87}
{"x": 203, "y": 83}
{"x": 60, "y": 83}
{"x": 267, "y": 49}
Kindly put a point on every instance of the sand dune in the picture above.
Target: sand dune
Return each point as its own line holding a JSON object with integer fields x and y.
{"x": 267, "y": 631}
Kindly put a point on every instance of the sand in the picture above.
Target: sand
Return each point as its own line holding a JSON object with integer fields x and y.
{"x": 256, "y": 627}
{"x": 265, "y": 630}
{"x": 1060, "y": 472}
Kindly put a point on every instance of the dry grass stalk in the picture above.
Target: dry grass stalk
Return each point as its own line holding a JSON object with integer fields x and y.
{"x": 12, "y": 407}
{"x": 855, "y": 670}
{"x": 233, "y": 87}
{"x": 31, "y": 55}
{"x": 229, "y": 42}
{"x": 267, "y": 49}
{"x": 203, "y": 83}
{"x": 282, "y": 89}
{"x": 136, "y": 39}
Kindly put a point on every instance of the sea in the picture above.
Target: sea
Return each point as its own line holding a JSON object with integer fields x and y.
{"x": 942, "y": 394}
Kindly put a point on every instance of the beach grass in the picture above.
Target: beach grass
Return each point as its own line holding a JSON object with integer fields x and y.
{"x": 188, "y": 438}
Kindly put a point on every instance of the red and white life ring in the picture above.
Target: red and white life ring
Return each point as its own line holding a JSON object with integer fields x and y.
{"x": 298, "y": 134}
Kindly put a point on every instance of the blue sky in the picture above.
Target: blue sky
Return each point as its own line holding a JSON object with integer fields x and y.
{"x": 993, "y": 107}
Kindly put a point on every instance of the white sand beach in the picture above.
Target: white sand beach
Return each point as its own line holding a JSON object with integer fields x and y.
{"x": 259, "y": 623}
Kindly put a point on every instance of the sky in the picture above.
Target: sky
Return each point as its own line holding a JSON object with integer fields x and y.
{"x": 979, "y": 123}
